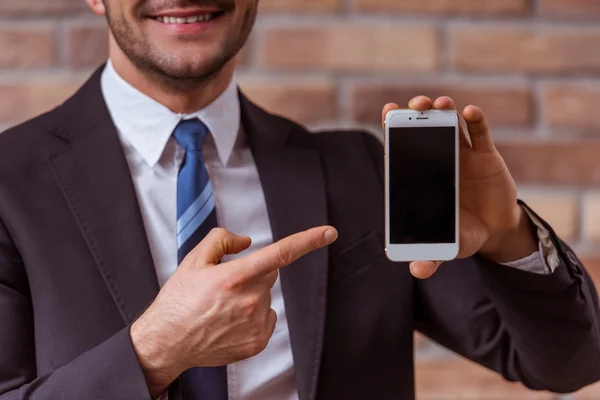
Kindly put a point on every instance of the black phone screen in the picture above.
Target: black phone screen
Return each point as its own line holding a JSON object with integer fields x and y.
{"x": 422, "y": 191}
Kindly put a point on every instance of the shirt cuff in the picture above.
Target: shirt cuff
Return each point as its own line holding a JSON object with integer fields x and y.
{"x": 545, "y": 260}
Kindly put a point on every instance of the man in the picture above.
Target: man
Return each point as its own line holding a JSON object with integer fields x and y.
{"x": 114, "y": 283}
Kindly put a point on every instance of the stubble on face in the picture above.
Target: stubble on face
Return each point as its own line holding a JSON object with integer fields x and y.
{"x": 176, "y": 72}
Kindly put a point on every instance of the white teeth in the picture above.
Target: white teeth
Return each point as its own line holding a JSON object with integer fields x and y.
{"x": 188, "y": 20}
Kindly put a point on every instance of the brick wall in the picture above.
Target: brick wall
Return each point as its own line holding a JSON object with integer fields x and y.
{"x": 533, "y": 65}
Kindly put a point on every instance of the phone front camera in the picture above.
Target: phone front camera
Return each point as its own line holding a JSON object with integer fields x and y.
{"x": 410, "y": 118}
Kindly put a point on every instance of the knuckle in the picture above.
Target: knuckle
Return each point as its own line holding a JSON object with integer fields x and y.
{"x": 284, "y": 255}
{"x": 257, "y": 347}
{"x": 268, "y": 299}
{"x": 249, "y": 305}
{"x": 262, "y": 340}
{"x": 262, "y": 262}
{"x": 260, "y": 333}
{"x": 245, "y": 352}
{"x": 314, "y": 242}
{"x": 273, "y": 278}
{"x": 227, "y": 283}
{"x": 187, "y": 262}
{"x": 251, "y": 345}
{"x": 275, "y": 317}
{"x": 255, "y": 342}
{"x": 218, "y": 232}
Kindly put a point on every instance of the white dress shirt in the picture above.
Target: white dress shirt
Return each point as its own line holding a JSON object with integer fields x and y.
{"x": 154, "y": 158}
{"x": 145, "y": 128}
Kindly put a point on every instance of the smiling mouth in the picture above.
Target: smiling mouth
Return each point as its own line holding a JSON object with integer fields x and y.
{"x": 189, "y": 19}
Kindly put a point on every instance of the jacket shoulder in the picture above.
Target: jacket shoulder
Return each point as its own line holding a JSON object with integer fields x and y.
{"x": 26, "y": 141}
{"x": 360, "y": 139}
{"x": 334, "y": 140}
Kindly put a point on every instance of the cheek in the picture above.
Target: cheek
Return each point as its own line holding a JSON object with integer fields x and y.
{"x": 245, "y": 23}
{"x": 126, "y": 12}
{"x": 246, "y": 11}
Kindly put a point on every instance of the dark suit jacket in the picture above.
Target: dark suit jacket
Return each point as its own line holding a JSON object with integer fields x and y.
{"x": 76, "y": 270}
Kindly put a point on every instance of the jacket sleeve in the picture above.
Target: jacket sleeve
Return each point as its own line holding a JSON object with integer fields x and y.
{"x": 108, "y": 371}
{"x": 541, "y": 330}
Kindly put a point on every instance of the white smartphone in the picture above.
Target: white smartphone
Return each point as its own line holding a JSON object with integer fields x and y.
{"x": 421, "y": 185}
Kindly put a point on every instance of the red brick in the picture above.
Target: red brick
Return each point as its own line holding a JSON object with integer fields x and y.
{"x": 553, "y": 163}
{"x": 27, "y": 47}
{"x": 300, "y": 5}
{"x": 559, "y": 209}
{"x": 245, "y": 57}
{"x": 306, "y": 102}
{"x": 571, "y": 105}
{"x": 504, "y": 49}
{"x": 445, "y": 7}
{"x": 464, "y": 380}
{"x": 570, "y": 8}
{"x": 87, "y": 45}
{"x": 506, "y": 105}
{"x": 592, "y": 264}
{"x": 19, "y": 7}
{"x": 351, "y": 47}
{"x": 591, "y": 217}
{"x": 24, "y": 100}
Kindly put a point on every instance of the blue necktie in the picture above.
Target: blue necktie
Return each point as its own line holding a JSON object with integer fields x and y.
{"x": 196, "y": 216}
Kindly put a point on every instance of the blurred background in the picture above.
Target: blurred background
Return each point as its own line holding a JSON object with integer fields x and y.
{"x": 532, "y": 65}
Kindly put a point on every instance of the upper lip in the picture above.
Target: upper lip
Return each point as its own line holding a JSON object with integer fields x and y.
{"x": 184, "y": 13}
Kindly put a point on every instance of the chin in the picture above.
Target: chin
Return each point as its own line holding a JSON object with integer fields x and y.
{"x": 190, "y": 69}
{"x": 195, "y": 69}
{"x": 187, "y": 57}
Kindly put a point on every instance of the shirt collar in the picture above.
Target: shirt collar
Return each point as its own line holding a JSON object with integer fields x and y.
{"x": 148, "y": 125}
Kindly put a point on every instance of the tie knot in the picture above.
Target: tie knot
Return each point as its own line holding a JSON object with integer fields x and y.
{"x": 191, "y": 134}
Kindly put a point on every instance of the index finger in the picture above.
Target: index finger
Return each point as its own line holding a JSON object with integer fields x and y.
{"x": 419, "y": 103}
{"x": 283, "y": 253}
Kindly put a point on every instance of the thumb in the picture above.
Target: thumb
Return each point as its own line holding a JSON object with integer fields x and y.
{"x": 216, "y": 244}
{"x": 424, "y": 269}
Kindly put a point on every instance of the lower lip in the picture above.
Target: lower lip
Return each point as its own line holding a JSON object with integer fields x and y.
{"x": 192, "y": 28}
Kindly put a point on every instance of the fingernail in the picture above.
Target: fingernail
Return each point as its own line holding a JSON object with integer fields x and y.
{"x": 330, "y": 235}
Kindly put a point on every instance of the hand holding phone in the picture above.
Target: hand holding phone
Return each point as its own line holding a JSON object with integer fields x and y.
{"x": 421, "y": 182}
{"x": 490, "y": 221}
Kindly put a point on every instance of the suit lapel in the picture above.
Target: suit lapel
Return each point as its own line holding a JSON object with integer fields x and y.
{"x": 293, "y": 184}
{"x": 95, "y": 180}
